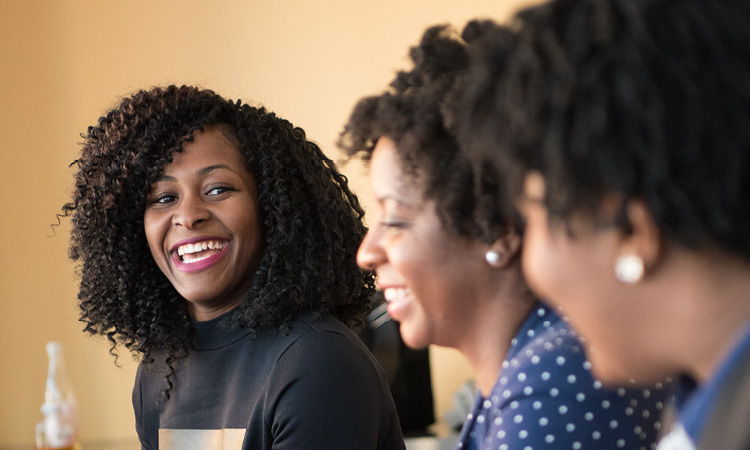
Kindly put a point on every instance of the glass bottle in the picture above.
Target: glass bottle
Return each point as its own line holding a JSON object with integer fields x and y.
{"x": 58, "y": 430}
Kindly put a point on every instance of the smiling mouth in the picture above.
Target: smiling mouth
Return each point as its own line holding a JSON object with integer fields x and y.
{"x": 198, "y": 251}
{"x": 399, "y": 301}
{"x": 396, "y": 294}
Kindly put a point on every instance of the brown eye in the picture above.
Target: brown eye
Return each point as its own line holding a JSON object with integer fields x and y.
{"x": 165, "y": 198}
{"x": 218, "y": 190}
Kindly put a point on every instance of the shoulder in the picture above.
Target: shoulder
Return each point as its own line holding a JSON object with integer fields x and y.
{"x": 328, "y": 368}
{"x": 325, "y": 345}
{"x": 546, "y": 389}
{"x": 149, "y": 378}
{"x": 554, "y": 353}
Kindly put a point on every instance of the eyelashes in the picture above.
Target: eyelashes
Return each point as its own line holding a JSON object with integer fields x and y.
{"x": 393, "y": 224}
{"x": 170, "y": 197}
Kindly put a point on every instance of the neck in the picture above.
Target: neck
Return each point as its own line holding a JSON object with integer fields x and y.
{"x": 712, "y": 294}
{"x": 498, "y": 314}
{"x": 202, "y": 313}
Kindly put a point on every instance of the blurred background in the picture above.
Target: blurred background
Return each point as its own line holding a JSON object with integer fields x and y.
{"x": 64, "y": 63}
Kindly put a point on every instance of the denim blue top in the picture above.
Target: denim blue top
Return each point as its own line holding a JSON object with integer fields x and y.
{"x": 697, "y": 407}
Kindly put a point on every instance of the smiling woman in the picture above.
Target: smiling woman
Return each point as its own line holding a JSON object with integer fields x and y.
{"x": 202, "y": 219}
{"x": 219, "y": 244}
{"x": 445, "y": 245}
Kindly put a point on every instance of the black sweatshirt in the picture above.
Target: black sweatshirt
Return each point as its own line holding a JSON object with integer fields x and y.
{"x": 315, "y": 387}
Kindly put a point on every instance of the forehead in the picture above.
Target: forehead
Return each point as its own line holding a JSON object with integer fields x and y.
{"x": 389, "y": 174}
{"x": 209, "y": 146}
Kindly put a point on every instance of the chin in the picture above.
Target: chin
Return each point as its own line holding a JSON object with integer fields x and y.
{"x": 196, "y": 297}
{"x": 619, "y": 371}
{"x": 413, "y": 338}
{"x": 610, "y": 376}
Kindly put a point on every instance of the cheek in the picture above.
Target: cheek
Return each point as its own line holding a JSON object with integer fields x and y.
{"x": 254, "y": 234}
{"x": 542, "y": 262}
{"x": 404, "y": 259}
{"x": 536, "y": 270}
{"x": 414, "y": 257}
{"x": 250, "y": 238}
{"x": 155, "y": 233}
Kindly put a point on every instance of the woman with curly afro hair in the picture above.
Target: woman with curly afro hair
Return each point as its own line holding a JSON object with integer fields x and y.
{"x": 218, "y": 243}
{"x": 453, "y": 277}
{"x": 627, "y": 123}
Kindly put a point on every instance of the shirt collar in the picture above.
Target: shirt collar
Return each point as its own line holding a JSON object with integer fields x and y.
{"x": 218, "y": 332}
{"x": 531, "y": 326}
{"x": 698, "y": 406}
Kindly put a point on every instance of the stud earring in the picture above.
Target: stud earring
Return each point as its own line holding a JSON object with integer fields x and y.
{"x": 629, "y": 269}
{"x": 493, "y": 258}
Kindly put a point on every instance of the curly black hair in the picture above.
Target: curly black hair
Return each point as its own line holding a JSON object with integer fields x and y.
{"x": 645, "y": 99}
{"x": 312, "y": 222}
{"x": 411, "y": 114}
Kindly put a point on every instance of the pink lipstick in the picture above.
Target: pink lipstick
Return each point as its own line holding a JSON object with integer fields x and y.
{"x": 196, "y": 254}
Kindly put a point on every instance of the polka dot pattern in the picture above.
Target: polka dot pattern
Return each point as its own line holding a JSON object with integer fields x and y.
{"x": 546, "y": 398}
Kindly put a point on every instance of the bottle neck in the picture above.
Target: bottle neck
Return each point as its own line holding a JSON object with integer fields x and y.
{"x": 57, "y": 390}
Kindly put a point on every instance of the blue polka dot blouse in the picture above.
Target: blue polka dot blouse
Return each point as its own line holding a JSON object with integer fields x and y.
{"x": 546, "y": 398}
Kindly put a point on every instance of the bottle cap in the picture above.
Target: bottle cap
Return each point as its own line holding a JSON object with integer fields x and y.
{"x": 54, "y": 348}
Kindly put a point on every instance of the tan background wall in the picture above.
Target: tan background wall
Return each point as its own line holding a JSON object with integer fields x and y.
{"x": 62, "y": 63}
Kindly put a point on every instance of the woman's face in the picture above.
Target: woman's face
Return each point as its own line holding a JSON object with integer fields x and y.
{"x": 422, "y": 269}
{"x": 576, "y": 274}
{"x": 202, "y": 223}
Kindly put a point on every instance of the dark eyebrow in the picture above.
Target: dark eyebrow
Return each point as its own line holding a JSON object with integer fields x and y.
{"x": 399, "y": 201}
{"x": 208, "y": 169}
{"x": 201, "y": 172}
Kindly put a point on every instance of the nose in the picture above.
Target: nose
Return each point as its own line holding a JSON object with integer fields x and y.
{"x": 371, "y": 253}
{"x": 190, "y": 213}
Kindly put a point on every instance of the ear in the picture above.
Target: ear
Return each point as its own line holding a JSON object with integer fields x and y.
{"x": 505, "y": 249}
{"x": 644, "y": 239}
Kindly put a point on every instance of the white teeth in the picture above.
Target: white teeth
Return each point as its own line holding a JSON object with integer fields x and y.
{"x": 199, "y": 247}
{"x": 190, "y": 259}
{"x": 392, "y": 294}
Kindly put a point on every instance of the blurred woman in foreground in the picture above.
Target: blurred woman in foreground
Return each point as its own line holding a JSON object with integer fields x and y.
{"x": 628, "y": 121}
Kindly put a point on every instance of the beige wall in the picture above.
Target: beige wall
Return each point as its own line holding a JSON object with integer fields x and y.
{"x": 62, "y": 63}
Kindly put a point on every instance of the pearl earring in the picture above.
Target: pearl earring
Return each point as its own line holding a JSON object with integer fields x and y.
{"x": 493, "y": 258}
{"x": 629, "y": 269}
